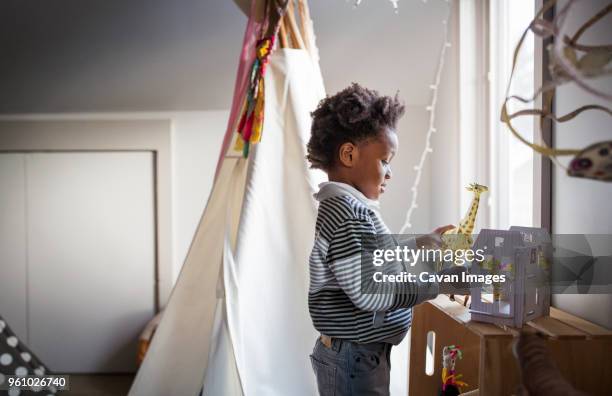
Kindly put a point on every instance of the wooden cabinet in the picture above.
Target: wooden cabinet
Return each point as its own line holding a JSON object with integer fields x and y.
{"x": 581, "y": 350}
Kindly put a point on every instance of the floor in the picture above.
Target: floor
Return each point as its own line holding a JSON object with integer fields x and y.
{"x": 99, "y": 385}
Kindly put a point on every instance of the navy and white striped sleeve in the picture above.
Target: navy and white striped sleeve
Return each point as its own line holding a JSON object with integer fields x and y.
{"x": 344, "y": 258}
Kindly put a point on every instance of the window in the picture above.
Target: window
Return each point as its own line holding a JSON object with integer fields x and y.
{"x": 489, "y": 32}
{"x": 512, "y": 162}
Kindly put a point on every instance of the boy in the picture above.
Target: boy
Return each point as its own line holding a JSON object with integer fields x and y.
{"x": 353, "y": 140}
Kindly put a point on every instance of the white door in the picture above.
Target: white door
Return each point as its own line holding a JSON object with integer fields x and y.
{"x": 13, "y": 252}
{"x": 90, "y": 257}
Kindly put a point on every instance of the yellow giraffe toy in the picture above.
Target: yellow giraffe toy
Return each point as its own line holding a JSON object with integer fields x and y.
{"x": 460, "y": 238}
{"x": 466, "y": 225}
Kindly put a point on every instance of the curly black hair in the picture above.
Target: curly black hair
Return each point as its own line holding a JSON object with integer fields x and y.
{"x": 352, "y": 115}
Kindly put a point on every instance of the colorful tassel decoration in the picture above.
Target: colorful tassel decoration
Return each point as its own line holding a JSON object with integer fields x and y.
{"x": 251, "y": 122}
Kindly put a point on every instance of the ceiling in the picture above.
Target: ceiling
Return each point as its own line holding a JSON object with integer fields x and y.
{"x": 159, "y": 55}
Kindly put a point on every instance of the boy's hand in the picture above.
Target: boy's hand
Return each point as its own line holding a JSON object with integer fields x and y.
{"x": 459, "y": 288}
{"x": 433, "y": 240}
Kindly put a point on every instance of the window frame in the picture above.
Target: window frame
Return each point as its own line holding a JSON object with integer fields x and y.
{"x": 482, "y": 151}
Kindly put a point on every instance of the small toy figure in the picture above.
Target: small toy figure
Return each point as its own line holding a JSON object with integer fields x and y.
{"x": 451, "y": 385}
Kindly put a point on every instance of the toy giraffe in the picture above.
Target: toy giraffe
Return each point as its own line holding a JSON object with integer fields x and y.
{"x": 460, "y": 238}
{"x": 466, "y": 226}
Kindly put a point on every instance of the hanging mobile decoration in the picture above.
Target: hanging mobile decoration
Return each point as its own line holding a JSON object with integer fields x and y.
{"x": 594, "y": 162}
{"x": 567, "y": 66}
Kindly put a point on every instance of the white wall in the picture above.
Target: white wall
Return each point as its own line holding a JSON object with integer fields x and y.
{"x": 396, "y": 199}
{"x": 113, "y": 55}
{"x": 400, "y": 52}
{"x": 446, "y": 184}
{"x": 196, "y": 138}
{"x": 182, "y": 55}
{"x": 158, "y": 55}
{"x": 582, "y": 206}
{"x": 118, "y": 59}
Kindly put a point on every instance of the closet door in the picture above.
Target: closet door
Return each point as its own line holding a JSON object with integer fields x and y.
{"x": 91, "y": 257}
{"x": 13, "y": 295}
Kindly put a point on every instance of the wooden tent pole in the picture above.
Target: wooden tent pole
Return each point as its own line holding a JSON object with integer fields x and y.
{"x": 282, "y": 34}
{"x": 287, "y": 27}
{"x": 305, "y": 22}
{"x": 293, "y": 29}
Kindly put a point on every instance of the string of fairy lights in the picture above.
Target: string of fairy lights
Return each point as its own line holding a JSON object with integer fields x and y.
{"x": 393, "y": 2}
{"x": 431, "y": 108}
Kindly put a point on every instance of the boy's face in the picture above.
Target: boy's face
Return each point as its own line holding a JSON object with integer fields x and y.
{"x": 369, "y": 167}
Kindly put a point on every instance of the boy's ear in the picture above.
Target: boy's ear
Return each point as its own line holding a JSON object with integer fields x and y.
{"x": 348, "y": 153}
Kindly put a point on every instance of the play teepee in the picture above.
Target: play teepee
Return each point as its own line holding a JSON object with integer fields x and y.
{"x": 237, "y": 320}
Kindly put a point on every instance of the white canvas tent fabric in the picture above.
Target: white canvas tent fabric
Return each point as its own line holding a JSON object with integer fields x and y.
{"x": 237, "y": 322}
{"x": 250, "y": 333}
{"x": 177, "y": 357}
{"x": 266, "y": 276}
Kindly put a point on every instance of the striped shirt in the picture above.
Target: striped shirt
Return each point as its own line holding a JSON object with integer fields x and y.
{"x": 338, "y": 307}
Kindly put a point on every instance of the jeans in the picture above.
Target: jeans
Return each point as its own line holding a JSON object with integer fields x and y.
{"x": 352, "y": 369}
